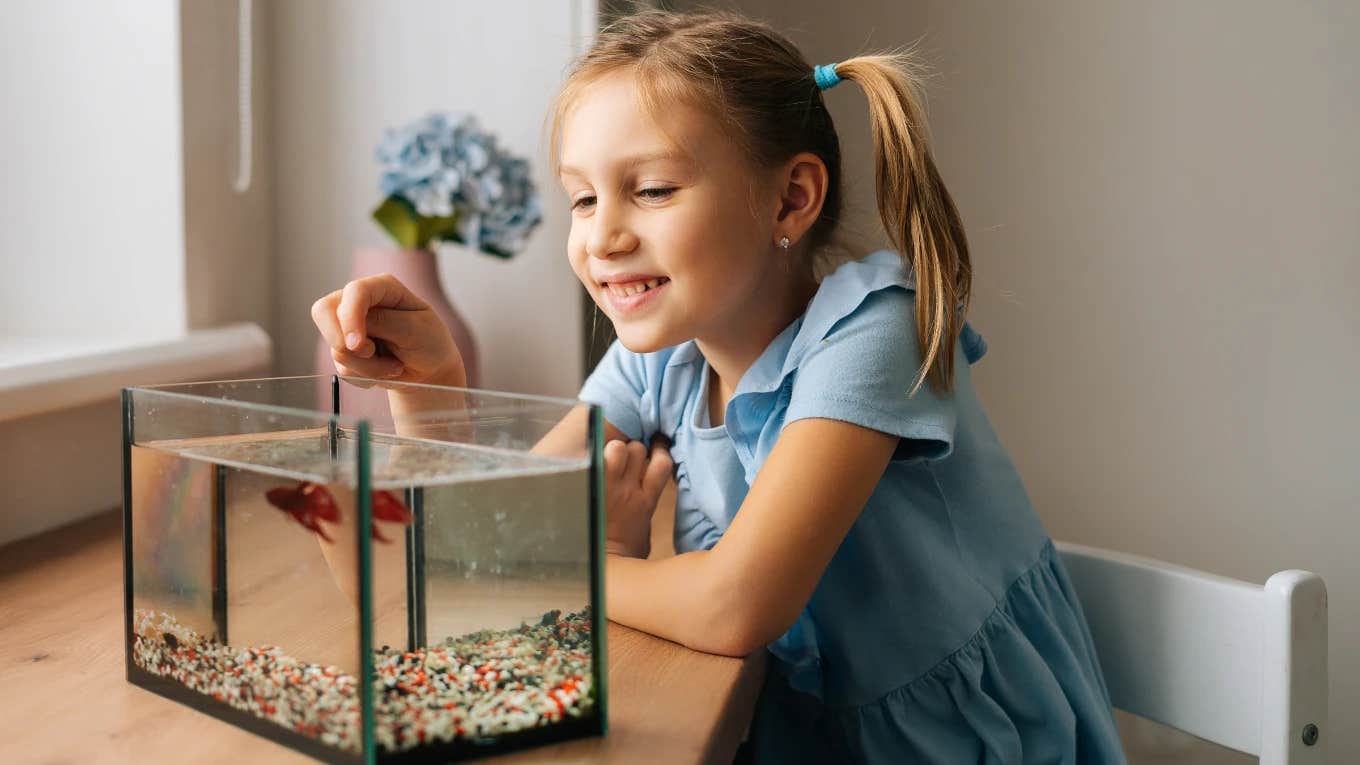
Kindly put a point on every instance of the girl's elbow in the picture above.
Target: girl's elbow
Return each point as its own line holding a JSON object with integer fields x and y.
{"x": 758, "y": 633}
{"x": 749, "y": 643}
{"x": 738, "y": 623}
{"x": 718, "y": 628}
{"x": 736, "y": 640}
{"x": 725, "y": 639}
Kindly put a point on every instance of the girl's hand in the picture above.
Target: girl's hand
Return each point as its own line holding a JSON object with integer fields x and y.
{"x": 634, "y": 478}
{"x": 377, "y": 328}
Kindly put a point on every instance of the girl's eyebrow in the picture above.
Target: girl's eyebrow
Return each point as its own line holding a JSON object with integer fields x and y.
{"x": 666, "y": 155}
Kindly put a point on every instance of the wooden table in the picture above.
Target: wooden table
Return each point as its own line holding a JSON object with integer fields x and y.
{"x": 64, "y": 697}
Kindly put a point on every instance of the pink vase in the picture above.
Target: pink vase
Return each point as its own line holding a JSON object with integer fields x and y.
{"x": 417, "y": 269}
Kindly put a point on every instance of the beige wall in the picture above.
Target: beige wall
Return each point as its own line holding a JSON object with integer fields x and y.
{"x": 91, "y": 166}
{"x": 1164, "y": 211}
{"x": 227, "y": 235}
{"x": 161, "y": 243}
{"x": 343, "y": 73}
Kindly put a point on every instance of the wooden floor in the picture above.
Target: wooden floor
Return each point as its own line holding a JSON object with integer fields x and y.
{"x": 66, "y": 700}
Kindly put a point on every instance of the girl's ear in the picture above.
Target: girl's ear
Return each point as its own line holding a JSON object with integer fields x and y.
{"x": 802, "y": 182}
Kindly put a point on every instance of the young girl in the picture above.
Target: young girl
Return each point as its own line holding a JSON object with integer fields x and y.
{"x": 842, "y": 500}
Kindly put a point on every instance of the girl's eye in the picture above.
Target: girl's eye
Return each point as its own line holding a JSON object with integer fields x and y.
{"x": 652, "y": 193}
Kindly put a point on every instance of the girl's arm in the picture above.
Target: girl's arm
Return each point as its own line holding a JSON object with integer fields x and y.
{"x": 751, "y": 587}
{"x": 568, "y": 437}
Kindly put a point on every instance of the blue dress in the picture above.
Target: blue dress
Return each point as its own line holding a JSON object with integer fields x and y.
{"x": 945, "y": 629}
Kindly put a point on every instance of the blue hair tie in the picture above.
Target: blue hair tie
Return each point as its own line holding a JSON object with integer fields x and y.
{"x": 825, "y": 75}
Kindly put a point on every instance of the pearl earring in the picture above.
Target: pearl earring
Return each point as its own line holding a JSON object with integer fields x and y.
{"x": 783, "y": 242}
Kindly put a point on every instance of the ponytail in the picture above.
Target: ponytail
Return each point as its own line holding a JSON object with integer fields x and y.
{"x": 916, "y": 209}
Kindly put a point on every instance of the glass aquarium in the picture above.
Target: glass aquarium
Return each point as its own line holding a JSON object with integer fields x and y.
{"x": 367, "y": 571}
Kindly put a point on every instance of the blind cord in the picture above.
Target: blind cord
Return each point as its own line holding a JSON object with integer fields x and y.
{"x": 243, "y": 75}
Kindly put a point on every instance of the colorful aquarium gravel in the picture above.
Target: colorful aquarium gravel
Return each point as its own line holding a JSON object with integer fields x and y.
{"x": 484, "y": 684}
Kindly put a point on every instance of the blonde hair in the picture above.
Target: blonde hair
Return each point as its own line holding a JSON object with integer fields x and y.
{"x": 760, "y": 91}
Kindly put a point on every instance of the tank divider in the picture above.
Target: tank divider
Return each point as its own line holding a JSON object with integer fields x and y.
{"x": 420, "y": 636}
{"x": 219, "y": 533}
{"x": 332, "y": 428}
{"x": 411, "y": 629}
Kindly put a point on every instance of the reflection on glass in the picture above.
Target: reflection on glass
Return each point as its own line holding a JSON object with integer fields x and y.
{"x": 255, "y": 582}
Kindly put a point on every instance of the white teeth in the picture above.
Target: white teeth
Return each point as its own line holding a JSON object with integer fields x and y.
{"x": 635, "y": 288}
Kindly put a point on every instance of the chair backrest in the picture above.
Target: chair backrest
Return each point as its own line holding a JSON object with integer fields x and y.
{"x": 1239, "y": 664}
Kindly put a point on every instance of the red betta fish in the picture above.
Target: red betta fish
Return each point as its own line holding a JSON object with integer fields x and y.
{"x": 307, "y": 503}
{"x": 386, "y": 507}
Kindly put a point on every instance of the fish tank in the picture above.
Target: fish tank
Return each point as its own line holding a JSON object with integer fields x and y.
{"x": 367, "y": 571}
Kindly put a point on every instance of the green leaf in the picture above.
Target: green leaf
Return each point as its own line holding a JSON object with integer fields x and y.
{"x": 442, "y": 228}
{"x": 400, "y": 220}
{"x": 411, "y": 229}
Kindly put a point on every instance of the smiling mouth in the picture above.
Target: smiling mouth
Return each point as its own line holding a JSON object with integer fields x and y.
{"x": 635, "y": 288}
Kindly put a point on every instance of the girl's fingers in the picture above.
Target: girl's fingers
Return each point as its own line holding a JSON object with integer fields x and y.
{"x": 615, "y": 460}
{"x": 659, "y": 466}
{"x": 326, "y": 320}
{"x": 634, "y": 465}
{"x": 398, "y": 328}
{"x": 345, "y": 371}
{"x": 360, "y": 295}
{"x": 378, "y": 367}
{"x": 637, "y": 462}
{"x": 323, "y": 316}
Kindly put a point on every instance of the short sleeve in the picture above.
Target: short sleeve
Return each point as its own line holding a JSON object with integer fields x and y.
{"x": 861, "y": 371}
{"x": 618, "y": 385}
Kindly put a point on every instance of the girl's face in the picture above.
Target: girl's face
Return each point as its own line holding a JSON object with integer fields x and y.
{"x": 665, "y": 240}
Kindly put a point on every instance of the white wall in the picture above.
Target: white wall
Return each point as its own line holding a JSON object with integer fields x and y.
{"x": 92, "y": 198}
{"x": 121, "y": 232}
{"x": 346, "y": 71}
{"x": 1164, "y": 212}
{"x": 121, "y": 226}
{"x": 228, "y": 235}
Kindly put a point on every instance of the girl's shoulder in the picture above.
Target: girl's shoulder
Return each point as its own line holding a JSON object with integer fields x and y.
{"x": 856, "y": 359}
{"x": 868, "y": 302}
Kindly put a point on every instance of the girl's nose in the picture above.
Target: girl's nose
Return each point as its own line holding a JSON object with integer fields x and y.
{"x": 609, "y": 236}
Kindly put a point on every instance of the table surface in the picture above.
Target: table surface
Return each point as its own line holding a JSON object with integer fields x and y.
{"x": 66, "y": 698}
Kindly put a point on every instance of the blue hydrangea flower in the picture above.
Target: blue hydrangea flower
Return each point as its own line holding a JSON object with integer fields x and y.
{"x": 445, "y": 165}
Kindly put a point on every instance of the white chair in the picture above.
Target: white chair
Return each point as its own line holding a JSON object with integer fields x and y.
{"x": 1238, "y": 664}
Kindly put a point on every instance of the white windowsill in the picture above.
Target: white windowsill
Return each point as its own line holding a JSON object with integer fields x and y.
{"x": 40, "y": 375}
